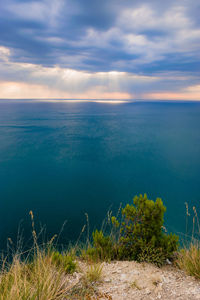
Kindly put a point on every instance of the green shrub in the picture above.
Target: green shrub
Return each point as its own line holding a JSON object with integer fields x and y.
{"x": 141, "y": 234}
{"x": 103, "y": 244}
{"x": 90, "y": 254}
{"x": 138, "y": 235}
{"x": 102, "y": 249}
{"x": 151, "y": 254}
{"x": 66, "y": 262}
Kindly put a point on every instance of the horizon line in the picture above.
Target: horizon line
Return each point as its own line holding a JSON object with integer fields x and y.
{"x": 102, "y": 99}
{"x": 106, "y": 100}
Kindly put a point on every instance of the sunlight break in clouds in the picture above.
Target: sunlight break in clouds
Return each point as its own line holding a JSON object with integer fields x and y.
{"x": 36, "y": 81}
{"x": 100, "y": 49}
{"x": 20, "y": 90}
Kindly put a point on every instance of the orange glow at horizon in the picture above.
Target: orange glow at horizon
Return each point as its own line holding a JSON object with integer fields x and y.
{"x": 173, "y": 96}
{"x": 20, "y": 90}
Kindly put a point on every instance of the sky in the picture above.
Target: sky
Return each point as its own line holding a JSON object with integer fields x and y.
{"x": 100, "y": 49}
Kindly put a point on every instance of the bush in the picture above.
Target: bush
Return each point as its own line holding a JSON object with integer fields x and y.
{"x": 103, "y": 248}
{"x": 140, "y": 232}
{"x": 142, "y": 237}
{"x": 150, "y": 254}
{"x": 66, "y": 262}
{"x": 103, "y": 245}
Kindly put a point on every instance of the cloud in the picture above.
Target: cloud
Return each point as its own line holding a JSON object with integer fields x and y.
{"x": 18, "y": 77}
{"x": 75, "y": 46}
{"x": 24, "y": 80}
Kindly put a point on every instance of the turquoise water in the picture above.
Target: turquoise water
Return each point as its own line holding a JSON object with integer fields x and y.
{"x": 62, "y": 160}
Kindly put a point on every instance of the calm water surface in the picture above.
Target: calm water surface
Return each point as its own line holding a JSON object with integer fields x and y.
{"x": 62, "y": 160}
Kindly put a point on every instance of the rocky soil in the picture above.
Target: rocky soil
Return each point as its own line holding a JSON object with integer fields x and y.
{"x": 131, "y": 280}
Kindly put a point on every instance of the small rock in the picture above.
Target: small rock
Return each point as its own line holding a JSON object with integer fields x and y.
{"x": 168, "y": 261}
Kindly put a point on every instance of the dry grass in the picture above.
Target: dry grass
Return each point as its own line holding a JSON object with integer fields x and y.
{"x": 39, "y": 279}
{"x": 94, "y": 273}
{"x": 87, "y": 286}
{"x": 41, "y": 275}
{"x": 189, "y": 260}
{"x": 189, "y": 257}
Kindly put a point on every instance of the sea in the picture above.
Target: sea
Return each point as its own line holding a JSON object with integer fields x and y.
{"x": 72, "y": 162}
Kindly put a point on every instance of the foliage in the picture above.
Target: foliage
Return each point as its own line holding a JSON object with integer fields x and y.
{"x": 150, "y": 254}
{"x": 103, "y": 247}
{"x": 140, "y": 237}
{"x": 136, "y": 234}
{"x": 66, "y": 262}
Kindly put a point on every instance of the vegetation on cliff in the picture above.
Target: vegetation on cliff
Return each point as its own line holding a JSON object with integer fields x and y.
{"x": 136, "y": 233}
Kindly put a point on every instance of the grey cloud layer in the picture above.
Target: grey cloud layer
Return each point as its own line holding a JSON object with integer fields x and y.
{"x": 71, "y": 81}
{"x": 154, "y": 45}
{"x": 133, "y": 36}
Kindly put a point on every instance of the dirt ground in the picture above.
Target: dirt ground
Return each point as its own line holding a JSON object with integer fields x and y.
{"x": 134, "y": 281}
